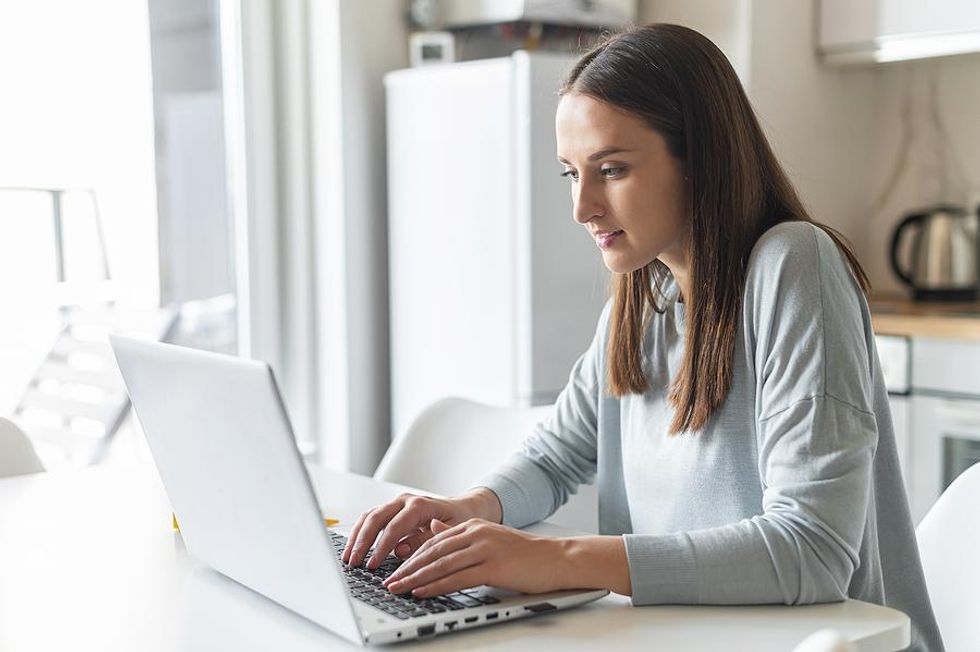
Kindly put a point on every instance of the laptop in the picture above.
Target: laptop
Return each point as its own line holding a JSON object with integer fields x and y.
{"x": 221, "y": 440}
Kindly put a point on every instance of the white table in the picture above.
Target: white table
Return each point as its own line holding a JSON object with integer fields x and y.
{"x": 88, "y": 561}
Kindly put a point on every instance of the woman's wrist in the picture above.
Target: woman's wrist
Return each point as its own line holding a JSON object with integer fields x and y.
{"x": 482, "y": 503}
{"x": 594, "y": 562}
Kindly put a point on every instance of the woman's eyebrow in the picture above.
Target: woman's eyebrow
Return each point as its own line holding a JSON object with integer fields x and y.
{"x": 602, "y": 153}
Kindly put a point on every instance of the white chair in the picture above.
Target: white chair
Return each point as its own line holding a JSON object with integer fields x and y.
{"x": 454, "y": 442}
{"x": 824, "y": 640}
{"x": 17, "y": 455}
{"x": 949, "y": 538}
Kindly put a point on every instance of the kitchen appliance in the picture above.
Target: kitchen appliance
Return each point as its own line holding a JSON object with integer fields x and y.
{"x": 494, "y": 290}
{"x": 944, "y": 254}
{"x": 945, "y": 434}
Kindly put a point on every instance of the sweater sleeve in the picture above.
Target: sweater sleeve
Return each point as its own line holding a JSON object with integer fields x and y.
{"x": 816, "y": 438}
{"x": 561, "y": 452}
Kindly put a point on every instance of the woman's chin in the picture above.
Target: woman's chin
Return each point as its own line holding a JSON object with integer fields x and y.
{"x": 617, "y": 263}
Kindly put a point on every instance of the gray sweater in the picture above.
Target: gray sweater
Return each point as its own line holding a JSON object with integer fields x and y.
{"x": 791, "y": 494}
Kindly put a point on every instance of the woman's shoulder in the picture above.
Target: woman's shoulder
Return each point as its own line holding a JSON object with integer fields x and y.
{"x": 785, "y": 241}
{"x": 795, "y": 249}
{"x": 798, "y": 262}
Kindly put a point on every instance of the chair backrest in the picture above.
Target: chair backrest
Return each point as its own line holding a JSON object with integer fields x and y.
{"x": 825, "y": 640}
{"x": 17, "y": 455}
{"x": 455, "y": 441}
{"x": 949, "y": 538}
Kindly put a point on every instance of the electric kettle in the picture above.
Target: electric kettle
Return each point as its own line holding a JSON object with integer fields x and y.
{"x": 944, "y": 255}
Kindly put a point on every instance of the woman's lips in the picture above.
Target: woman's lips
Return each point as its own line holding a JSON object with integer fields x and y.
{"x": 605, "y": 239}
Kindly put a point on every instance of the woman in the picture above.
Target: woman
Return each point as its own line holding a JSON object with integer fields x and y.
{"x": 731, "y": 403}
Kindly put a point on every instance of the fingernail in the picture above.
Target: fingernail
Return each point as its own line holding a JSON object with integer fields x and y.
{"x": 394, "y": 585}
{"x": 402, "y": 549}
{"x": 419, "y": 592}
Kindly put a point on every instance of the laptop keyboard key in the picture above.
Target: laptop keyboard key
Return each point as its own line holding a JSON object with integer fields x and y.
{"x": 481, "y": 595}
{"x": 467, "y": 601}
{"x": 449, "y": 603}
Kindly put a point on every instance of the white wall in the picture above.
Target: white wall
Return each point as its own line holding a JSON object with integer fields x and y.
{"x": 725, "y": 22}
{"x": 819, "y": 119}
{"x": 364, "y": 163}
{"x": 353, "y": 45}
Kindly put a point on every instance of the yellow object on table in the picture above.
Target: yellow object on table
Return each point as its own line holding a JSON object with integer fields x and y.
{"x": 329, "y": 522}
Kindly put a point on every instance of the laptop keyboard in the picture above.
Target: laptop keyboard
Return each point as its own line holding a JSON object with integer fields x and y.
{"x": 365, "y": 586}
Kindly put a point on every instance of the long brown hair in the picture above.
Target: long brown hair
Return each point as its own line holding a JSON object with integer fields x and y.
{"x": 682, "y": 85}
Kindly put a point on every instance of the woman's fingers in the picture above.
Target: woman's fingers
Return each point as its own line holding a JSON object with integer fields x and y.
{"x": 438, "y": 527}
{"x": 428, "y": 554}
{"x": 353, "y": 536}
{"x": 443, "y": 566}
{"x": 478, "y": 552}
{"x": 463, "y": 579}
{"x": 372, "y": 525}
{"x": 416, "y": 514}
{"x": 408, "y": 545}
{"x": 441, "y": 536}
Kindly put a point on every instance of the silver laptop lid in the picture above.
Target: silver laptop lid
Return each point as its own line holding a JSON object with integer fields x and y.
{"x": 223, "y": 446}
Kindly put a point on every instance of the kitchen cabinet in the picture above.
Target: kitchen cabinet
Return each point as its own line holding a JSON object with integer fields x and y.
{"x": 877, "y": 31}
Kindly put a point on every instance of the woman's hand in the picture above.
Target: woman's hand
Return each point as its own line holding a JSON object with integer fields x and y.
{"x": 404, "y": 523}
{"x": 479, "y": 552}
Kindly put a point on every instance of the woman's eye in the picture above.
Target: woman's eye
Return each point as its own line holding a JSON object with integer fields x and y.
{"x": 609, "y": 173}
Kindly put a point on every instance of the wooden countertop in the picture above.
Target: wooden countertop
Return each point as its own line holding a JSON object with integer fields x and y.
{"x": 898, "y": 315}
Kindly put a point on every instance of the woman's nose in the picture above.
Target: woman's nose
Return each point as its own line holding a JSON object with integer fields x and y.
{"x": 588, "y": 205}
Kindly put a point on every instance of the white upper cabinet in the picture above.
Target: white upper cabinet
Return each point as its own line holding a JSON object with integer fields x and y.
{"x": 874, "y": 31}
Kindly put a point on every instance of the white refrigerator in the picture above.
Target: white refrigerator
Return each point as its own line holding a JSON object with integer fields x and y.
{"x": 494, "y": 289}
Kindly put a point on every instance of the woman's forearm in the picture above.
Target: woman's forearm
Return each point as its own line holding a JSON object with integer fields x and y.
{"x": 594, "y": 562}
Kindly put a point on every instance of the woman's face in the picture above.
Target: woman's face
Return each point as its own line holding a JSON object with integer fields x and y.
{"x": 627, "y": 189}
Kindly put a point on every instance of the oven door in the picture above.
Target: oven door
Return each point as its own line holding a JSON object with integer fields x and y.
{"x": 945, "y": 442}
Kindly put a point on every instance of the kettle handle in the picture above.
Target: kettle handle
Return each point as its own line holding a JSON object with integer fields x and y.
{"x": 915, "y": 218}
